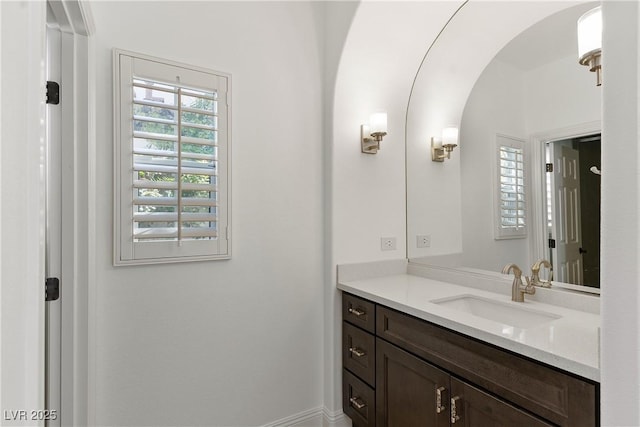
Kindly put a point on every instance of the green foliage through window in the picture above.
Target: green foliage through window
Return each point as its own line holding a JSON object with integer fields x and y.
{"x": 160, "y": 111}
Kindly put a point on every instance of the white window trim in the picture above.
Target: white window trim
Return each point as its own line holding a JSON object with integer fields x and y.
{"x": 126, "y": 251}
{"x": 500, "y": 232}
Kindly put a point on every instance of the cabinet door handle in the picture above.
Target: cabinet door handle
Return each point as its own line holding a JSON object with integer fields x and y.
{"x": 357, "y": 312}
{"x": 357, "y": 352}
{"x": 357, "y": 402}
{"x": 439, "y": 406}
{"x": 455, "y": 411}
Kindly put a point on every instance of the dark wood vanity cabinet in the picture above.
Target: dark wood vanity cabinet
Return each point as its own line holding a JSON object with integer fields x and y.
{"x": 426, "y": 375}
{"x": 412, "y": 392}
{"x": 409, "y": 391}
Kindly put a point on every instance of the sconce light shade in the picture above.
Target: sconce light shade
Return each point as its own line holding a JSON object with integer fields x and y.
{"x": 450, "y": 136}
{"x": 372, "y": 134}
{"x": 378, "y": 123}
{"x": 446, "y": 144}
{"x": 590, "y": 41}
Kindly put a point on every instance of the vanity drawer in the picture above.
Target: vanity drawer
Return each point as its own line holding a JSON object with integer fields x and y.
{"x": 358, "y": 400}
{"x": 554, "y": 395}
{"x": 359, "y": 312}
{"x": 359, "y": 352}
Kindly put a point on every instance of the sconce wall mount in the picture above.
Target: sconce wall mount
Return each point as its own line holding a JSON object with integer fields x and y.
{"x": 371, "y": 135}
{"x": 441, "y": 148}
{"x": 593, "y": 60}
{"x": 370, "y": 141}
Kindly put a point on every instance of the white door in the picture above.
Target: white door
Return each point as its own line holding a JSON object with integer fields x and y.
{"x": 568, "y": 262}
{"x": 53, "y": 250}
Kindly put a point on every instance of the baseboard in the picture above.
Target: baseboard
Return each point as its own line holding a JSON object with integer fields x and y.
{"x": 309, "y": 418}
{"x": 335, "y": 418}
{"x": 317, "y": 417}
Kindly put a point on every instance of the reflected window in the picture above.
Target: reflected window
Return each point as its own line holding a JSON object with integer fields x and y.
{"x": 511, "y": 221}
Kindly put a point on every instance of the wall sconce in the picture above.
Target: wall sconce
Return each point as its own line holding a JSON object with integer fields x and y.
{"x": 446, "y": 145}
{"x": 590, "y": 41}
{"x": 372, "y": 134}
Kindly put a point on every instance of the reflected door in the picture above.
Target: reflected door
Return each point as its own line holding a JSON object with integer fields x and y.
{"x": 567, "y": 228}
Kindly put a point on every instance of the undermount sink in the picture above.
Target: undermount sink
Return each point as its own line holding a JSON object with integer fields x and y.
{"x": 503, "y": 312}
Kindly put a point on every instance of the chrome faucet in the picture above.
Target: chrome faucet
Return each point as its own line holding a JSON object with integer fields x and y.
{"x": 518, "y": 289}
{"x": 535, "y": 273}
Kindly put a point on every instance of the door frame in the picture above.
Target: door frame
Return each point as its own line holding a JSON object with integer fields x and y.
{"x": 76, "y": 26}
{"x": 53, "y": 229}
{"x": 537, "y": 196}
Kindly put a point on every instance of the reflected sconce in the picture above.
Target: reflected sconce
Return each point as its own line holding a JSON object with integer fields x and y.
{"x": 441, "y": 148}
{"x": 590, "y": 41}
{"x": 372, "y": 134}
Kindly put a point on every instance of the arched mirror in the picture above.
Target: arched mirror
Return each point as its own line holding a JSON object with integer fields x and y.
{"x": 529, "y": 119}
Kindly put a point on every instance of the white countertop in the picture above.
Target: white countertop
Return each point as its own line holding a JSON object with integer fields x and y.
{"x": 570, "y": 343}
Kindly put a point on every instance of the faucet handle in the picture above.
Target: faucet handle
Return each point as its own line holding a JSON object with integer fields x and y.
{"x": 542, "y": 283}
{"x": 535, "y": 273}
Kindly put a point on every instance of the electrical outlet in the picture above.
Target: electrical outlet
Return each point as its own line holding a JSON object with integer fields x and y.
{"x": 388, "y": 243}
{"x": 423, "y": 241}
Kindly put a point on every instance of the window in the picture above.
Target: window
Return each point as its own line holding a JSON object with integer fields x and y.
{"x": 172, "y": 161}
{"x": 511, "y": 219}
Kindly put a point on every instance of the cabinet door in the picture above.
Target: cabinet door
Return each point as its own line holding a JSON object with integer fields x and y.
{"x": 475, "y": 408}
{"x": 409, "y": 391}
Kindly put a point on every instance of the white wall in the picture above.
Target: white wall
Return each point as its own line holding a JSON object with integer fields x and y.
{"x": 495, "y": 106}
{"x": 518, "y": 103}
{"x": 234, "y": 342}
{"x": 620, "y": 345}
{"x": 561, "y": 94}
{"x": 22, "y": 210}
{"x": 338, "y": 19}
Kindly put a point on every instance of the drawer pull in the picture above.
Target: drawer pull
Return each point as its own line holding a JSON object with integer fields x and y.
{"x": 357, "y": 403}
{"x": 455, "y": 413}
{"x": 439, "y": 406}
{"x": 357, "y": 352}
{"x": 357, "y": 312}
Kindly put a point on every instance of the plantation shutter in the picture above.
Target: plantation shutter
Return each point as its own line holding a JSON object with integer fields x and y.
{"x": 511, "y": 197}
{"x": 173, "y": 154}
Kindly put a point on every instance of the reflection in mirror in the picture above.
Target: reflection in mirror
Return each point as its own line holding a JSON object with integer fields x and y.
{"x": 573, "y": 209}
{"x": 534, "y": 91}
